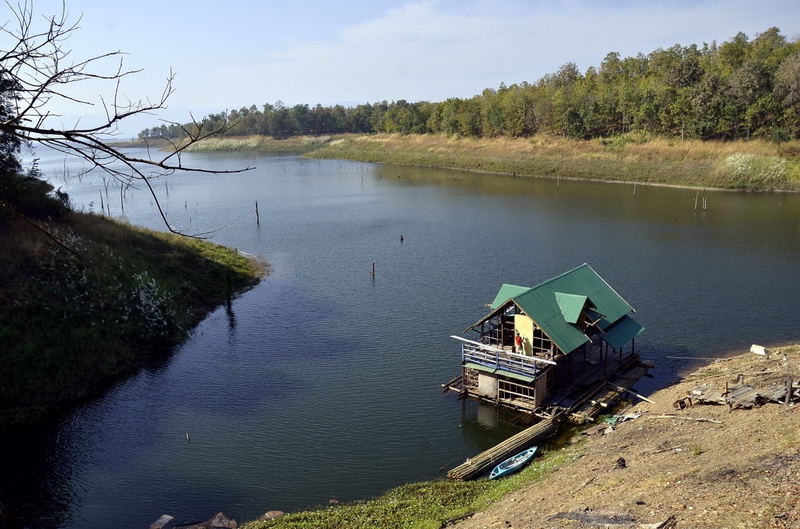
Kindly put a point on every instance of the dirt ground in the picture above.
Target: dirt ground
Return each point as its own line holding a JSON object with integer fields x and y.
{"x": 683, "y": 471}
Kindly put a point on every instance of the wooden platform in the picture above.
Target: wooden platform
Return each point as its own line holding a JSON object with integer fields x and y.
{"x": 607, "y": 393}
{"x": 740, "y": 395}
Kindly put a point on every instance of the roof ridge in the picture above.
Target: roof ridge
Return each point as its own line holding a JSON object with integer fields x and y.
{"x": 559, "y": 276}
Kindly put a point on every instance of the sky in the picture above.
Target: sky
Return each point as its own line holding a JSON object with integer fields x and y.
{"x": 235, "y": 53}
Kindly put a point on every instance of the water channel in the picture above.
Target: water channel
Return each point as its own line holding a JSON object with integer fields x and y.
{"x": 324, "y": 382}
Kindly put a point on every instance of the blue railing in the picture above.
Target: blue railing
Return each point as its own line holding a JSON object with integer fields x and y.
{"x": 496, "y": 358}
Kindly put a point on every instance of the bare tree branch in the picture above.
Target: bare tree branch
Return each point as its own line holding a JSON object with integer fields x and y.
{"x": 40, "y": 72}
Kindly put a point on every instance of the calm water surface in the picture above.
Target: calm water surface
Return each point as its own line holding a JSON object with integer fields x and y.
{"x": 324, "y": 382}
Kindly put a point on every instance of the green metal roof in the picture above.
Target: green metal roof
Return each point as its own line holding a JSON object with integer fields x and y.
{"x": 571, "y": 306}
{"x": 507, "y": 292}
{"x": 622, "y": 332}
{"x": 541, "y": 305}
{"x": 553, "y": 305}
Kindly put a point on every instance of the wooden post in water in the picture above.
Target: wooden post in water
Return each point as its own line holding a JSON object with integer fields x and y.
{"x": 634, "y": 189}
{"x": 258, "y": 220}
{"x": 373, "y": 269}
{"x": 695, "y": 200}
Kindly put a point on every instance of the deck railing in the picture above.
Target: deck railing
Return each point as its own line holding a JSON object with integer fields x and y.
{"x": 496, "y": 358}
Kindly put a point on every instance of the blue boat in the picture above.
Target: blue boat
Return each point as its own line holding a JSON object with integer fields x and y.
{"x": 513, "y": 463}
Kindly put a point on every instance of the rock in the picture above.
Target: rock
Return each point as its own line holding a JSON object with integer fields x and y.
{"x": 271, "y": 515}
{"x": 598, "y": 429}
{"x": 220, "y": 521}
{"x": 162, "y": 522}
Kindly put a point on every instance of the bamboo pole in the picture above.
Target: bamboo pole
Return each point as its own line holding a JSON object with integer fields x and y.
{"x": 477, "y": 465}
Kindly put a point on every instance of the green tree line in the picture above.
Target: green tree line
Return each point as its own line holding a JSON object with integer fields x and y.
{"x": 741, "y": 88}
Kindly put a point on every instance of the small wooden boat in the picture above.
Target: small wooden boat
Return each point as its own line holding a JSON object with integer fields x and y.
{"x": 513, "y": 463}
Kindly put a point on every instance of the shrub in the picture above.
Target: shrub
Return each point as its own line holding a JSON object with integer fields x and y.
{"x": 620, "y": 141}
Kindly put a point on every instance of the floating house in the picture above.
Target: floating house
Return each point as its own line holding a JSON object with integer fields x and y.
{"x": 551, "y": 348}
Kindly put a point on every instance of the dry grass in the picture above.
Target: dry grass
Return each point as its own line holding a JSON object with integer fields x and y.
{"x": 258, "y": 143}
{"x": 628, "y": 158}
{"x": 547, "y": 145}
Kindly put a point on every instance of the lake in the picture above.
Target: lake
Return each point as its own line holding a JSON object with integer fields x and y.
{"x": 323, "y": 382}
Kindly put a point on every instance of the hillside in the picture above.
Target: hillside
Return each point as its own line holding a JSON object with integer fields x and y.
{"x": 704, "y": 466}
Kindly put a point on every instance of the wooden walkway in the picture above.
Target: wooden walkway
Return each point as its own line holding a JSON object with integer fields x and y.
{"x": 475, "y": 466}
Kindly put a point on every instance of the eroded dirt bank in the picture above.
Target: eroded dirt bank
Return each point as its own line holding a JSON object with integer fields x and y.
{"x": 701, "y": 466}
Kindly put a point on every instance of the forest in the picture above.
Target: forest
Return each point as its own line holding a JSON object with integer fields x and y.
{"x": 739, "y": 89}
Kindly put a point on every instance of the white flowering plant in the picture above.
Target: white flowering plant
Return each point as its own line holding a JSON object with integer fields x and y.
{"x": 742, "y": 170}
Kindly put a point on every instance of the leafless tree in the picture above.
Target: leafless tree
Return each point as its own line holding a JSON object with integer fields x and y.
{"x": 38, "y": 70}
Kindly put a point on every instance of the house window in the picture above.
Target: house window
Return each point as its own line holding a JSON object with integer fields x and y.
{"x": 510, "y": 389}
{"x": 541, "y": 344}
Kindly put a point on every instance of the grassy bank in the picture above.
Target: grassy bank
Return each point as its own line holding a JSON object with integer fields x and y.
{"x": 72, "y": 322}
{"x": 300, "y": 144}
{"x": 742, "y": 165}
{"x": 296, "y": 144}
{"x": 429, "y": 504}
{"x": 752, "y": 165}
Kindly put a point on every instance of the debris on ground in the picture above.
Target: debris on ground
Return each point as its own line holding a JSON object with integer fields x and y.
{"x": 697, "y": 465}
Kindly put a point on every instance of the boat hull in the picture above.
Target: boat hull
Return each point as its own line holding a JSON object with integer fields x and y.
{"x": 513, "y": 463}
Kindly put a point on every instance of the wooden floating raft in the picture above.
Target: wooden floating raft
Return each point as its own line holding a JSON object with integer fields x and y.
{"x": 608, "y": 393}
{"x": 477, "y": 465}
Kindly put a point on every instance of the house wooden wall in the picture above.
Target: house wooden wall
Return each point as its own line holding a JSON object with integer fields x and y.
{"x": 524, "y": 326}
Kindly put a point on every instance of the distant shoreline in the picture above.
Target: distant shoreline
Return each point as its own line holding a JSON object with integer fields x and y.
{"x": 738, "y": 166}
